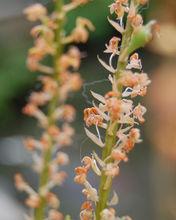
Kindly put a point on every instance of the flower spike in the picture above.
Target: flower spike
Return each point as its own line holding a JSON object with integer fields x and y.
{"x": 58, "y": 81}
{"x": 114, "y": 115}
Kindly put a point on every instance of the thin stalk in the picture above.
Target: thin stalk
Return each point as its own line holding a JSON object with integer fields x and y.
{"x": 47, "y": 154}
{"x": 110, "y": 137}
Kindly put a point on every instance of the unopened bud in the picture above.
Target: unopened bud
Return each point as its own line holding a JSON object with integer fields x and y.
{"x": 141, "y": 37}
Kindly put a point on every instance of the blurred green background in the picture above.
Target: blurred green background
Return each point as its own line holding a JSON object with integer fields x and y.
{"x": 147, "y": 183}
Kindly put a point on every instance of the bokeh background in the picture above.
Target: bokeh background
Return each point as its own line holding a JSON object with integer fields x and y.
{"x": 147, "y": 183}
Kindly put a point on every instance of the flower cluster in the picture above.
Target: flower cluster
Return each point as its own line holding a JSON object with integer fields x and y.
{"x": 49, "y": 106}
{"x": 115, "y": 115}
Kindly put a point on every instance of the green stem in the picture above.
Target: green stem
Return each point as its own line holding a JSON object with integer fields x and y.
{"x": 47, "y": 154}
{"x": 111, "y": 138}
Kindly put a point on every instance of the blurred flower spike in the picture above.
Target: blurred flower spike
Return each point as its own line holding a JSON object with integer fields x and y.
{"x": 48, "y": 105}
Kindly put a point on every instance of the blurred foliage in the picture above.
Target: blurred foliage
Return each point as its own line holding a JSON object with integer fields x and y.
{"x": 14, "y": 78}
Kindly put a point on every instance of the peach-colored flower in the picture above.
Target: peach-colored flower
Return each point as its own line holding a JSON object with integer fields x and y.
{"x": 80, "y": 179}
{"x": 119, "y": 8}
{"x": 31, "y": 144}
{"x": 80, "y": 34}
{"x": 86, "y": 214}
{"x": 135, "y": 62}
{"x": 108, "y": 214}
{"x": 111, "y": 169}
{"x": 52, "y": 200}
{"x": 39, "y": 98}
{"x": 136, "y": 21}
{"x": 55, "y": 215}
{"x": 33, "y": 201}
{"x": 35, "y": 12}
{"x": 112, "y": 47}
{"x": 59, "y": 177}
{"x": 113, "y": 105}
{"x": 62, "y": 158}
{"x": 134, "y": 137}
{"x": 138, "y": 113}
{"x": 19, "y": 182}
{"x": 92, "y": 117}
{"x": 119, "y": 155}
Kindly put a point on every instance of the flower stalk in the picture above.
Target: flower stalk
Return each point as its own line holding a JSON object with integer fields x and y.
{"x": 116, "y": 114}
{"x": 58, "y": 81}
{"x": 110, "y": 138}
{"x": 47, "y": 155}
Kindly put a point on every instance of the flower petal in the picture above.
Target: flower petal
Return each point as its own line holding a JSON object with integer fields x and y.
{"x": 98, "y": 159}
{"x": 98, "y": 97}
{"x": 94, "y": 138}
{"x": 95, "y": 168}
{"x": 105, "y": 117}
{"x": 127, "y": 92}
{"x": 116, "y": 26}
{"x": 110, "y": 69}
{"x": 110, "y": 78}
{"x": 114, "y": 200}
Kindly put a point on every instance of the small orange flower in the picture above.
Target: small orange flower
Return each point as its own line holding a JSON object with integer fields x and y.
{"x": 92, "y": 117}
{"x": 80, "y": 179}
{"x": 62, "y": 158}
{"x": 59, "y": 177}
{"x": 19, "y": 182}
{"x": 138, "y": 112}
{"x": 52, "y": 200}
{"x": 128, "y": 79}
{"x": 30, "y": 109}
{"x": 35, "y": 12}
{"x": 53, "y": 131}
{"x": 33, "y": 201}
{"x": 80, "y": 170}
{"x": 136, "y": 21}
{"x": 55, "y": 215}
{"x": 86, "y": 205}
{"x": 113, "y": 105}
{"x": 118, "y": 155}
{"x": 29, "y": 143}
{"x": 112, "y": 47}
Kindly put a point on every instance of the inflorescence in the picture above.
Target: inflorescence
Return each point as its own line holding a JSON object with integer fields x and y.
{"x": 114, "y": 115}
{"x": 49, "y": 105}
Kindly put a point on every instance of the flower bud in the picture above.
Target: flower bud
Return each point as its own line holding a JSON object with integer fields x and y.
{"x": 141, "y": 36}
{"x": 35, "y": 12}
